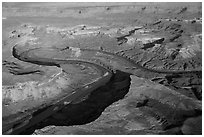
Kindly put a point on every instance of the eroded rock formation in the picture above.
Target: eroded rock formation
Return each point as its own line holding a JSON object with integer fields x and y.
{"x": 163, "y": 55}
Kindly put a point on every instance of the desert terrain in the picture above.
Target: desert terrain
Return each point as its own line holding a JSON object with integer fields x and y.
{"x": 102, "y": 68}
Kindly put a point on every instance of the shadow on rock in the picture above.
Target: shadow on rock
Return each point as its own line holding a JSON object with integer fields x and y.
{"x": 90, "y": 108}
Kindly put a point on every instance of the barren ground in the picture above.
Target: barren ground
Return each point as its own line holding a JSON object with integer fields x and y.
{"x": 164, "y": 96}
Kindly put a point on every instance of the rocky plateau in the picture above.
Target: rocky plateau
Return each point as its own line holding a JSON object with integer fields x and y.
{"x": 136, "y": 66}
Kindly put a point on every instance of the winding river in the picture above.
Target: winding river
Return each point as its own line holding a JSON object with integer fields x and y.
{"x": 101, "y": 64}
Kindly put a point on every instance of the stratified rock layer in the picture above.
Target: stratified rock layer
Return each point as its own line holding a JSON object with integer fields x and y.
{"x": 158, "y": 37}
{"x": 148, "y": 108}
